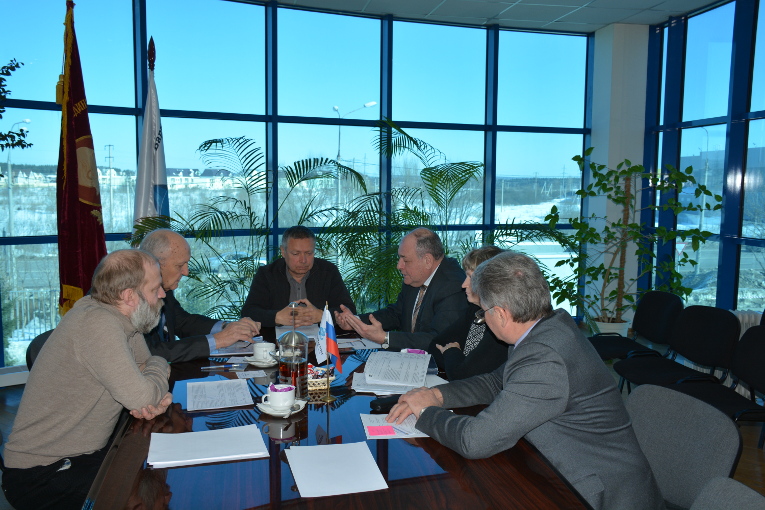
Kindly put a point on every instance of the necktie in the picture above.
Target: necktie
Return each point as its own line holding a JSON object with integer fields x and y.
{"x": 417, "y": 305}
{"x": 161, "y": 327}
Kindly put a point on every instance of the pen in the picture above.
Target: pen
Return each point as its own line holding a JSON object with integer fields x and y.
{"x": 222, "y": 367}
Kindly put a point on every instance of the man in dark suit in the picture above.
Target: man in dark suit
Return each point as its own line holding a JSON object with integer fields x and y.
{"x": 197, "y": 334}
{"x": 430, "y": 303}
{"x": 554, "y": 390}
{"x": 297, "y": 277}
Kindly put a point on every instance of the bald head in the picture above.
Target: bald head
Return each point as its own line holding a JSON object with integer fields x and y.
{"x": 173, "y": 253}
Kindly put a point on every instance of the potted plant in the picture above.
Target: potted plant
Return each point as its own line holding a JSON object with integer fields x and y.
{"x": 599, "y": 285}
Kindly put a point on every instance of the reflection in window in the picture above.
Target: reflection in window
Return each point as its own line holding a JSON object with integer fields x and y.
{"x": 438, "y": 73}
{"x": 707, "y": 63}
{"x": 703, "y": 148}
{"x": 327, "y": 60}
{"x": 531, "y": 89}
{"x": 754, "y": 183}
{"x": 535, "y": 172}
{"x": 210, "y": 55}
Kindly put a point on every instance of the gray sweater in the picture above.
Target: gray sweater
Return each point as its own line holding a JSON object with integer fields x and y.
{"x": 94, "y": 364}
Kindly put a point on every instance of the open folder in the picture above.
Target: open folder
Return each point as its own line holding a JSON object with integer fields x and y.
{"x": 190, "y": 448}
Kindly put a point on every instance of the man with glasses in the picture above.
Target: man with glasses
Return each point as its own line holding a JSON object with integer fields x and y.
{"x": 554, "y": 390}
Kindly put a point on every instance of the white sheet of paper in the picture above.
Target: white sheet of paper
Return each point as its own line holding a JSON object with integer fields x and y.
{"x": 312, "y": 331}
{"x": 401, "y": 430}
{"x": 190, "y": 448}
{"x": 250, "y": 374}
{"x": 316, "y": 469}
{"x": 402, "y": 368}
{"x": 217, "y": 394}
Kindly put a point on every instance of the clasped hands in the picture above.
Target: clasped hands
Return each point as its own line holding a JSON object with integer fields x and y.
{"x": 303, "y": 315}
{"x": 347, "y": 320}
{"x": 243, "y": 329}
{"x": 413, "y": 402}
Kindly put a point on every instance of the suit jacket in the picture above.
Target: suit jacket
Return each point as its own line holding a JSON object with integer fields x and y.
{"x": 487, "y": 356}
{"x": 442, "y": 307}
{"x": 555, "y": 391}
{"x": 190, "y": 328}
{"x": 270, "y": 290}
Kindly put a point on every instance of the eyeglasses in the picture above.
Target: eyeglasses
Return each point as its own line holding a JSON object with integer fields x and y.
{"x": 480, "y": 315}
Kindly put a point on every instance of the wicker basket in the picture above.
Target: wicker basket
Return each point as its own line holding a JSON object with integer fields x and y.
{"x": 319, "y": 384}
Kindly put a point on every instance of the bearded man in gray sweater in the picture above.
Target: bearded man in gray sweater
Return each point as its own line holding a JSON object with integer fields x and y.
{"x": 95, "y": 363}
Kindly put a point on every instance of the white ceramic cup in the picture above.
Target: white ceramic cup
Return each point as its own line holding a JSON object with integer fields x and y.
{"x": 261, "y": 351}
{"x": 280, "y": 400}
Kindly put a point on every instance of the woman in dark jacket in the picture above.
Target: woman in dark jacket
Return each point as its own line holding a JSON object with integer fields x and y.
{"x": 478, "y": 350}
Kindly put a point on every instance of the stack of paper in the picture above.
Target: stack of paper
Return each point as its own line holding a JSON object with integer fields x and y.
{"x": 356, "y": 343}
{"x": 397, "y": 368}
{"x": 316, "y": 468}
{"x": 190, "y": 448}
{"x": 377, "y": 428}
{"x": 361, "y": 384}
{"x": 218, "y": 394}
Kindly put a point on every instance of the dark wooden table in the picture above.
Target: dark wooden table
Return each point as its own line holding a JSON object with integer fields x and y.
{"x": 421, "y": 473}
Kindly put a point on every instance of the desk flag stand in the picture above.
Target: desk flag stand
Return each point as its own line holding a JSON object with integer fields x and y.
{"x": 328, "y": 398}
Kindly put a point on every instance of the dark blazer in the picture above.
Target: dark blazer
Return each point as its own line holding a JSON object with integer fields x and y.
{"x": 443, "y": 306}
{"x": 487, "y": 356}
{"x": 190, "y": 328}
{"x": 270, "y": 290}
{"x": 555, "y": 391}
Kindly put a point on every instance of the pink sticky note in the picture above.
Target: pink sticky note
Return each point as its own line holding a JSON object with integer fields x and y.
{"x": 381, "y": 430}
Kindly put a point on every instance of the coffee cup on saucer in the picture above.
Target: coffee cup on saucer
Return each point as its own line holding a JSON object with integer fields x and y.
{"x": 280, "y": 397}
{"x": 261, "y": 352}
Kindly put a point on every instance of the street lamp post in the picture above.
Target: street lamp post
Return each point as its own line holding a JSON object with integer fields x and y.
{"x": 340, "y": 117}
{"x": 10, "y": 178}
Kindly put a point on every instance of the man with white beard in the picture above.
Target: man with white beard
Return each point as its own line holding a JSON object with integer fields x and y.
{"x": 95, "y": 363}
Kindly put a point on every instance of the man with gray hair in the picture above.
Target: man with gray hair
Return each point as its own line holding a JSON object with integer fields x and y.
{"x": 431, "y": 301}
{"x": 94, "y": 364}
{"x": 197, "y": 335}
{"x": 554, "y": 390}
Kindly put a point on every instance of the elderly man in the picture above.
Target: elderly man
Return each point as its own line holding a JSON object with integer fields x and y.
{"x": 431, "y": 301}
{"x": 198, "y": 334}
{"x": 553, "y": 390}
{"x": 296, "y": 277}
{"x": 94, "y": 364}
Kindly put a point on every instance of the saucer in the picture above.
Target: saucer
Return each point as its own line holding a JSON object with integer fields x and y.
{"x": 281, "y": 414}
{"x": 260, "y": 363}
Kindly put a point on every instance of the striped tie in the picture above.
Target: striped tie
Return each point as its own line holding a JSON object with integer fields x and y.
{"x": 417, "y": 305}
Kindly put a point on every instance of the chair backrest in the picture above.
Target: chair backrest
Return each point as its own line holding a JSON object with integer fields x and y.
{"x": 655, "y": 316}
{"x": 749, "y": 358}
{"x": 35, "y": 346}
{"x": 723, "y": 493}
{"x": 687, "y": 442}
{"x": 706, "y": 335}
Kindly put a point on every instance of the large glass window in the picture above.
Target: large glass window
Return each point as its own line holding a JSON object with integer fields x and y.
{"x": 535, "y": 172}
{"x": 531, "y": 70}
{"x": 329, "y": 65}
{"x": 438, "y": 73}
{"x": 758, "y": 73}
{"x": 707, "y": 63}
{"x": 210, "y": 56}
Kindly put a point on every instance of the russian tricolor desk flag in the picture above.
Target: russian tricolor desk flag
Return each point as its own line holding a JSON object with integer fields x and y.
{"x": 327, "y": 343}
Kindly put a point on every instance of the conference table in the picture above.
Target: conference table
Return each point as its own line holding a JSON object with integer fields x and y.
{"x": 420, "y": 473}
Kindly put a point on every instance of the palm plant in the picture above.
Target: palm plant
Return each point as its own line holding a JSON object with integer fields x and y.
{"x": 243, "y": 209}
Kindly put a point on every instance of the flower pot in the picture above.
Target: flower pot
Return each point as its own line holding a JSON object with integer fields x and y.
{"x": 613, "y": 327}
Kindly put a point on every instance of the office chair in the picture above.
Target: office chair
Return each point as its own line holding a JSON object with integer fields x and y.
{"x": 35, "y": 346}
{"x": 686, "y": 441}
{"x": 722, "y": 493}
{"x": 655, "y": 316}
{"x": 704, "y": 335}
